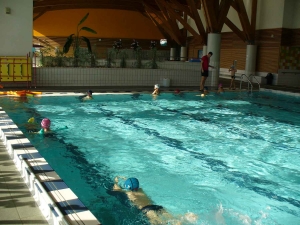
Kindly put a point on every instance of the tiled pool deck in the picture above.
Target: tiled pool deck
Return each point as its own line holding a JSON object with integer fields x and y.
{"x": 17, "y": 205}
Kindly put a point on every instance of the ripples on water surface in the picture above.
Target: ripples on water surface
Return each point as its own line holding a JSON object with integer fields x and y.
{"x": 231, "y": 159}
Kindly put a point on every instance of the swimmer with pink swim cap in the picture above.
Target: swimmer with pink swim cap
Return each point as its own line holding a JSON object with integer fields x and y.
{"x": 220, "y": 88}
{"x": 45, "y": 124}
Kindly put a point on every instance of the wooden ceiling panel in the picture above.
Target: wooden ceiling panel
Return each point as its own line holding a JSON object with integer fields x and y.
{"x": 50, "y": 5}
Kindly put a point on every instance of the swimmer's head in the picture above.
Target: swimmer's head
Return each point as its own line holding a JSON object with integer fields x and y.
{"x": 156, "y": 86}
{"x": 131, "y": 184}
{"x": 90, "y": 92}
{"x": 46, "y": 123}
{"x": 220, "y": 85}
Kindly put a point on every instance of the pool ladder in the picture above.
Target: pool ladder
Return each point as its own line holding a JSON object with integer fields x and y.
{"x": 250, "y": 85}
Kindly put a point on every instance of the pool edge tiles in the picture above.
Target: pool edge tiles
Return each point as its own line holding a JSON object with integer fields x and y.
{"x": 55, "y": 199}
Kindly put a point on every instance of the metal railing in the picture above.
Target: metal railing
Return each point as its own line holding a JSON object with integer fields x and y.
{"x": 255, "y": 80}
{"x": 249, "y": 82}
{"x": 250, "y": 85}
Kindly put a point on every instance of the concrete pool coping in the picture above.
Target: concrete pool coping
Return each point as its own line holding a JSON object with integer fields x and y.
{"x": 46, "y": 190}
{"x": 18, "y": 206}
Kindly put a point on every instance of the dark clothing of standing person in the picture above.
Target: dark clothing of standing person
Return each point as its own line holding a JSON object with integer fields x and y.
{"x": 204, "y": 69}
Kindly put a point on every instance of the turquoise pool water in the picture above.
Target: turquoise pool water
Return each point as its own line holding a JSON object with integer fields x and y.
{"x": 230, "y": 159}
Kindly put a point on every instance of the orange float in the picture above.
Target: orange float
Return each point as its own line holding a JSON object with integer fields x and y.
{"x": 22, "y": 93}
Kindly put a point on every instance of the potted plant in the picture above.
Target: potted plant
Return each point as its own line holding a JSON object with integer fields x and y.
{"x": 137, "y": 49}
{"x": 75, "y": 41}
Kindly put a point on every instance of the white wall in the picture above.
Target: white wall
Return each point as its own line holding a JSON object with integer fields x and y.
{"x": 16, "y": 28}
{"x": 291, "y": 18}
{"x": 296, "y": 18}
{"x": 269, "y": 14}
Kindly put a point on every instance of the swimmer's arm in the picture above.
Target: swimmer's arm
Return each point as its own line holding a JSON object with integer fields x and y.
{"x": 62, "y": 128}
{"x": 116, "y": 186}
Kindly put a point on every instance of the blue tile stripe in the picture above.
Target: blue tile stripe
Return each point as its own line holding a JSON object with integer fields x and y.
{"x": 72, "y": 206}
{"x": 54, "y": 185}
{"x": 15, "y": 140}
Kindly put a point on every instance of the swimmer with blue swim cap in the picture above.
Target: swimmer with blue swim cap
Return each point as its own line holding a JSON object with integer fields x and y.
{"x": 155, "y": 213}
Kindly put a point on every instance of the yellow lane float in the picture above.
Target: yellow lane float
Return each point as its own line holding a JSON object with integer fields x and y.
{"x": 21, "y": 93}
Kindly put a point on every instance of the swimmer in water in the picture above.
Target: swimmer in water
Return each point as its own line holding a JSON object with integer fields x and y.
{"x": 156, "y": 90}
{"x": 155, "y": 213}
{"x": 220, "y": 88}
{"x": 88, "y": 96}
{"x": 45, "y": 124}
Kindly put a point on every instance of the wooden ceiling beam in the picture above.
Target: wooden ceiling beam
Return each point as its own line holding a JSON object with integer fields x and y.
{"x": 216, "y": 6}
{"x": 235, "y": 6}
{"x": 159, "y": 27}
{"x": 179, "y": 7}
{"x": 181, "y": 20}
{"x": 198, "y": 4}
{"x": 253, "y": 19}
{"x": 132, "y": 5}
{"x": 211, "y": 12}
{"x": 236, "y": 30}
{"x": 244, "y": 18}
{"x": 196, "y": 17}
{"x": 162, "y": 9}
{"x": 172, "y": 23}
{"x": 161, "y": 21}
{"x": 41, "y": 13}
{"x": 224, "y": 8}
{"x": 45, "y": 43}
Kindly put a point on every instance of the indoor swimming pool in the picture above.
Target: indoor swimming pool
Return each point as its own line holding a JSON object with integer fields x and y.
{"x": 231, "y": 158}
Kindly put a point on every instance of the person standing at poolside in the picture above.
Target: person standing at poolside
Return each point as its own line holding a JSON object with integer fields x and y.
{"x": 232, "y": 71}
{"x": 204, "y": 69}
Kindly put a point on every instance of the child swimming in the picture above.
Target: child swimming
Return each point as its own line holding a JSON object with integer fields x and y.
{"x": 155, "y": 213}
{"x": 156, "y": 90}
{"x": 45, "y": 124}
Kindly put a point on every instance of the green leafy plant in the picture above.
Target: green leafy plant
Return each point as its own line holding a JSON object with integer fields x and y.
{"x": 75, "y": 41}
{"x": 59, "y": 57}
{"x": 153, "y": 64}
{"x": 123, "y": 56}
{"x": 138, "y": 54}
